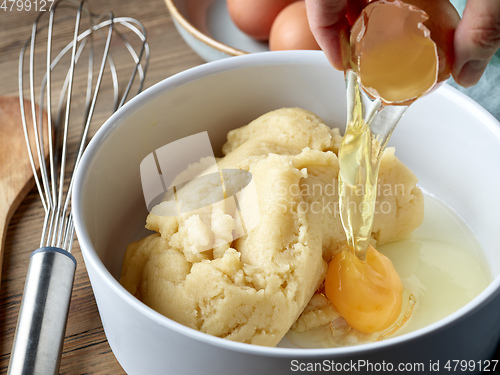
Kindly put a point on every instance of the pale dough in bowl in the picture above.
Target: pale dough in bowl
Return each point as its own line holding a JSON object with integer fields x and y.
{"x": 254, "y": 288}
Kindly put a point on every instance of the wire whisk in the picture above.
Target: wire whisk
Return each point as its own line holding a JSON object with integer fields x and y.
{"x": 42, "y": 318}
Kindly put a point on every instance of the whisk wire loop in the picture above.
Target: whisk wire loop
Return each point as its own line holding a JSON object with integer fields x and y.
{"x": 51, "y": 179}
{"x": 38, "y": 341}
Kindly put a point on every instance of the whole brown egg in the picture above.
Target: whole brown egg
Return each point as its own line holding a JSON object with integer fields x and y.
{"x": 255, "y": 17}
{"x": 291, "y": 30}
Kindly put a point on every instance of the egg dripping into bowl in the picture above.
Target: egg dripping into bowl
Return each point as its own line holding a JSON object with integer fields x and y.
{"x": 399, "y": 51}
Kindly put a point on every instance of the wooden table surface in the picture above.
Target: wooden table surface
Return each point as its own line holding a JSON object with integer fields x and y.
{"x": 86, "y": 350}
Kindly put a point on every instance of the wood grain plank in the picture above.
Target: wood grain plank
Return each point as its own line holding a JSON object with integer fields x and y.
{"x": 86, "y": 350}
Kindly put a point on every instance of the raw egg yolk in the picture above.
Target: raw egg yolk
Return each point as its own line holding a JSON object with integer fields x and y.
{"x": 367, "y": 294}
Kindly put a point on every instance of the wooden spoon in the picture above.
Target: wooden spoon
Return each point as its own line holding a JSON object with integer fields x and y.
{"x": 16, "y": 175}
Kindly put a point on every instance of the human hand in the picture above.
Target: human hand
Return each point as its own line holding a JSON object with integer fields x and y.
{"x": 476, "y": 39}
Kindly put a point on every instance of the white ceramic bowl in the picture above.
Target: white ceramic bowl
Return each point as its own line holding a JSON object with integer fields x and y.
{"x": 205, "y": 25}
{"x": 451, "y": 144}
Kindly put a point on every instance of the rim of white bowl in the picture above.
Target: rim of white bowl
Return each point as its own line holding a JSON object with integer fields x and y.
{"x": 191, "y": 29}
{"x": 220, "y": 66}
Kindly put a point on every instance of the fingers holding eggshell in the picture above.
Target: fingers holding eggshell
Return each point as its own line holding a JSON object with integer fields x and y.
{"x": 330, "y": 23}
{"x": 476, "y": 40}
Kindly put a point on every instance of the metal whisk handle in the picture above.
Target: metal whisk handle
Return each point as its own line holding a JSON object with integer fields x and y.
{"x": 44, "y": 309}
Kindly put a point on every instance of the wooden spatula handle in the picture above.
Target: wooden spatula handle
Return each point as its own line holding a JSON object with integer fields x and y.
{"x": 4, "y": 223}
{"x": 16, "y": 174}
{"x": 10, "y": 200}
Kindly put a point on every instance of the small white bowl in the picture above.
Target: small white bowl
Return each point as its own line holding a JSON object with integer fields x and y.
{"x": 450, "y": 142}
{"x": 207, "y": 28}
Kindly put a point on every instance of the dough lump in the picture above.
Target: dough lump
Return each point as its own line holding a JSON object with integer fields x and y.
{"x": 253, "y": 289}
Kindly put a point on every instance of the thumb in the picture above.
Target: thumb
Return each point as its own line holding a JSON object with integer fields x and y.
{"x": 328, "y": 25}
{"x": 477, "y": 38}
